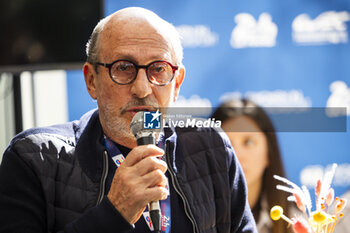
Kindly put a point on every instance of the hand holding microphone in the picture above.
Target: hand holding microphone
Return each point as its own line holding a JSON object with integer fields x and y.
{"x": 140, "y": 179}
{"x": 146, "y": 137}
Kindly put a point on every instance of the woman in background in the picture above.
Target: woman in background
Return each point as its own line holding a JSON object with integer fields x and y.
{"x": 253, "y": 137}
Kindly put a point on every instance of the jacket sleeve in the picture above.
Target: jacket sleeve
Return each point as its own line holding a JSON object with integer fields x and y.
{"x": 23, "y": 205}
{"x": 102, "y": 218}
{"x": 242, "y": 217}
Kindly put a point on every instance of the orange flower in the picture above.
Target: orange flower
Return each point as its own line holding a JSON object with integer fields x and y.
{"x": 318, "y": 187}
{"x": 299, "y": 202}
{"x": 301, "y": 226}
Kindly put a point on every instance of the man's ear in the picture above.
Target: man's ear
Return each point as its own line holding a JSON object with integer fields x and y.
{"x": 178, "y": 81}
{"x": 90, "y": 79}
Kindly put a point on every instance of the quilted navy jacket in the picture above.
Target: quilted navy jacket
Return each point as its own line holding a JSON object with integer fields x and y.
{"x": 53, "y": 179}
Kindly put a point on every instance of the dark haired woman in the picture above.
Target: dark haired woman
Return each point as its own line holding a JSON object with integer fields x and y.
{"x": 253, "y": 137}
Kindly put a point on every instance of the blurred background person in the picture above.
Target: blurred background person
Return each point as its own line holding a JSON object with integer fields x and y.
{"x": 253, "y": 137}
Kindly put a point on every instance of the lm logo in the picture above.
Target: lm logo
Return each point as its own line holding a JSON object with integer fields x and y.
{"x": 151, "y": 120}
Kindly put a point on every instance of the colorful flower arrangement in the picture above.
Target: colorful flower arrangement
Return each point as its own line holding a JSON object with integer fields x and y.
{"x": 327, "y": 212}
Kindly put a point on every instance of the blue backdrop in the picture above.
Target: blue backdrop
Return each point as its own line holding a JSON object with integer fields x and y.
{"x": 292, "y": 53}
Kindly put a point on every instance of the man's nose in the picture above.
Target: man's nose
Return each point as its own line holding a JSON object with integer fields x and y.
{"x": 141, "y": 87}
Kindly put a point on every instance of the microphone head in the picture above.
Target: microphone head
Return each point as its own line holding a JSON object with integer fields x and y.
{"x": 136, "y": 124}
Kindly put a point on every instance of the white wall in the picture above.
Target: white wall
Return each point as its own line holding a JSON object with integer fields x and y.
{"x": 50, "y": 97}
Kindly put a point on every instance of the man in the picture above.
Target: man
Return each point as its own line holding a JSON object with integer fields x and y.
{"x": 62, "y": 178}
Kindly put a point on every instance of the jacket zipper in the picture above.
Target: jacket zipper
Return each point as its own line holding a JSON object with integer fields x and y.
{"x": 103, "y": 178}
{"x": 177, "y": 188}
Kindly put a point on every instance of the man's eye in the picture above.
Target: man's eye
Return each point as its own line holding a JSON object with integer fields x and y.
{"x": 125, "y": 67}
{"x": 159, "y": 68}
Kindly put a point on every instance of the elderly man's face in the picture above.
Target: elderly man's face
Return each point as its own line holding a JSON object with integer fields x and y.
{"x": 139, "y": 42}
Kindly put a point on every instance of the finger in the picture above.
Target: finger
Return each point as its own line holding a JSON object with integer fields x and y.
{"x": 150, "y": 164}
{"x": 157, "y": 193}
{"x": 140, "y": 152}
{"x": 155, "y": 178}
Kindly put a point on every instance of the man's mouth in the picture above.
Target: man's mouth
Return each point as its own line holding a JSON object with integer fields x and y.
{"x": 134, "y": 110}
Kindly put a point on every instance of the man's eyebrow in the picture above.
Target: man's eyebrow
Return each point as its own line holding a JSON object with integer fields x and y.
{"x": 134, "y": 59}
{"x": 118, "y": 56}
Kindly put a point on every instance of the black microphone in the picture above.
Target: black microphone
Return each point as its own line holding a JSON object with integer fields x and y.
{"x": 146, "y": 137}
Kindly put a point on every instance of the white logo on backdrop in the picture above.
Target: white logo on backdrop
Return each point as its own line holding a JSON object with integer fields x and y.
{"x": 327, "y": 28}
{"x": 277, "y": 98}
{"x": 252, "y": 33}
{"x": 310, "y": 174}
{"x": 195, "y": 105}
{"x": 197, "y": 36}
{"x": 340, "y": 97}
{"x": 193, "y": 101}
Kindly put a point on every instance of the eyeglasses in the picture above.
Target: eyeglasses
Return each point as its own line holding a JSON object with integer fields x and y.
{"x": 124, "y": 72}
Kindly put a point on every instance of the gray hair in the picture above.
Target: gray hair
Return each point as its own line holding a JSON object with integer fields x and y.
{"x": 92, "y": 46}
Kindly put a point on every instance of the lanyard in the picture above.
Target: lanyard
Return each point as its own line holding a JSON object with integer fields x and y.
{"x": 118, "y": 159}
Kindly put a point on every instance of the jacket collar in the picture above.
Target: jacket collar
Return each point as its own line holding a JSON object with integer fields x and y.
{"x": 90, "y": 148}
{"x": 170, "y": 142}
